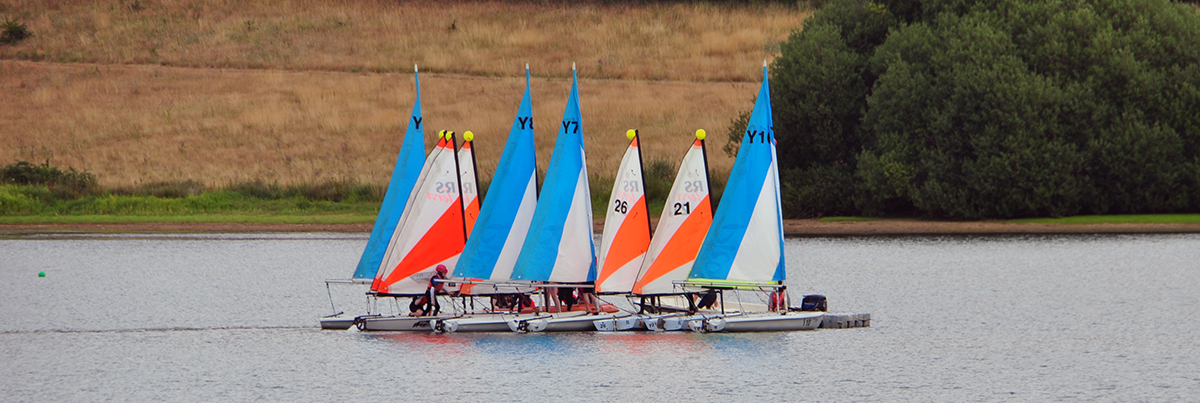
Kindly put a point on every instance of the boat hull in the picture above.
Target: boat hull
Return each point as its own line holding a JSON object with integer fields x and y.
{"x": 770, "y": 322}
{"x": 337, "y": 322}
{"x": 620, "y": 324}
{"x": 489, "y": 322}
{"x": 581, "y": 323}
{"x": 398, "y": 323}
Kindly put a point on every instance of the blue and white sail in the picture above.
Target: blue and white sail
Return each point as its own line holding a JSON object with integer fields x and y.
{"x": 745, "y": 241}
{"x": 404, "y": 176}
{"x": 499, "y": 232}
{"x": 559, "y": 247}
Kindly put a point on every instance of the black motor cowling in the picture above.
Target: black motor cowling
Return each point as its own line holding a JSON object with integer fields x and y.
{"x": 814, "y": 302}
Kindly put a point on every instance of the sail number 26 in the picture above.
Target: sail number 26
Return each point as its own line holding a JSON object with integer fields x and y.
{"x": 621, "y": 206}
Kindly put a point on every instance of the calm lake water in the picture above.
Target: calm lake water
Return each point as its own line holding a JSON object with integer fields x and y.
{"x": 234, "y": 317}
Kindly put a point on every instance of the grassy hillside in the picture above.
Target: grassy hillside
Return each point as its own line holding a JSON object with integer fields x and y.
{"x": 693, "y": 42}
{"x": 290, "y": 92}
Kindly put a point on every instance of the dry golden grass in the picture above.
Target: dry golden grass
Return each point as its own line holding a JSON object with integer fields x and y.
{"x": 136, "y": 124}
{"x": 293, "y": 91}
{"x": 688, "y": 42}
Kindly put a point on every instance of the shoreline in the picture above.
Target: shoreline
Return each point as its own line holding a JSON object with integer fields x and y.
{"x": 805, "y": 227}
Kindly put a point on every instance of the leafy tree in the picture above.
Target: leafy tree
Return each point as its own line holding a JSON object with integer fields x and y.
{"x": 1010, "y": 108}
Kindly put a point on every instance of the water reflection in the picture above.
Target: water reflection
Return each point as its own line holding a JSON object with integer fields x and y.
{"x": 1035, "y": 318}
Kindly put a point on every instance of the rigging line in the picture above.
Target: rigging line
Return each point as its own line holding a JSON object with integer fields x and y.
{"x": 330, "y": 292}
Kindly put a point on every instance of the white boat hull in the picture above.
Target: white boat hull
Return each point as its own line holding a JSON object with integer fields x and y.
{"x": 620, "y": 324}
{"x": 337, "y": 322}
{"x": 489, "y": 322}
{"x": 767, "y": 322}
{"x": 575, "y": 323}
{"x": 398, "y": 323}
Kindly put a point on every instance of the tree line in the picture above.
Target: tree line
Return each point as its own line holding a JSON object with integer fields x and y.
{"x": 967, "y": 109}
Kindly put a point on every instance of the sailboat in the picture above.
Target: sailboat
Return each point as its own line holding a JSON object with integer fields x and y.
{"x": 431, "y": 233}
{"x": 626, "y": 236}
{"x": 559, "y": 250}
{"x": 685, "y": 219}
{"x": 404, "y": 176}
{"x": 743, "y": 250}
{"x": 503, "y": 222}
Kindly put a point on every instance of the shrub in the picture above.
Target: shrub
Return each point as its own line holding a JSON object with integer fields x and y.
{"x": 69, "y": 184}
{"x": 13, "y": 31}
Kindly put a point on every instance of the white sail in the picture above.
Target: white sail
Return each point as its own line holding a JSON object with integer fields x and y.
{"x": 432, "y": 231}
{"x": 626, "y": 225}
{"x": 685, "y": 220}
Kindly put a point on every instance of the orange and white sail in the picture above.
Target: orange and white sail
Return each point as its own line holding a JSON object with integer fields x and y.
{"x": 684, "y": 223}
{"x": 470, "y": 181}
{"x": 626, "y": 225}
{"x": 432, "y": 231}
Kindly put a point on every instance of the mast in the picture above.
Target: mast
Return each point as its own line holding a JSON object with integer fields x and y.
{"x": 458, "y": 172}
{"x": 642, "y": 169}
{"x": 700, "y": 135}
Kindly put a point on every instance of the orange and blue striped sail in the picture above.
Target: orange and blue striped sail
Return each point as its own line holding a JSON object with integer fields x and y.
{"x": 626, "y": 225}
{"x": 470, "y": 181}
{"x": 504, "y": 218}
{"x": 745, "y": 242}
{"x": 559, "y": 247}
{"x": 686, "y": 218}
{"x": 432, "y": 231}
{"x": 404, "y": 176}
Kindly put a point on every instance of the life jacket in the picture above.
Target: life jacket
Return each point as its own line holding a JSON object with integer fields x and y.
{"x": 777, "y": 301}
{"x": 436, "y": 286}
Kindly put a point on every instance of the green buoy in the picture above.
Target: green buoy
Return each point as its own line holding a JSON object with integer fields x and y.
{"x": 41, "y": 274}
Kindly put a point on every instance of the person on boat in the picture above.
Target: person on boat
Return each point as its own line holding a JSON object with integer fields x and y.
{"x": 503, "y": 302}
{"x": 590, "y": 300}
{"x": 522, "y": 301}
{"x": 708, "y": 300}
{"x": 777, "y": 301}
{"x": 567, "y": 296}
{"x": 556, "y": 298}
{"x": 417, "y": 306}
{"x": 435, "y": 287}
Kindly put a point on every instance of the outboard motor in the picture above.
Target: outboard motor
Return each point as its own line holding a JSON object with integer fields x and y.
{"x": 814, "y": 302}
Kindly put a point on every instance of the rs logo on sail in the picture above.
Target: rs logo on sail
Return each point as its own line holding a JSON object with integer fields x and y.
{"x": 444, "y": 192}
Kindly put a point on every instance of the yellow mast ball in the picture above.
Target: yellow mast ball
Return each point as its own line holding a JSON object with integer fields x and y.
{"x": 631, "y": 134}
{"x": 700, "y": 134}
{"x": 468, "y": 136}
{"x": 442, "y": 135}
